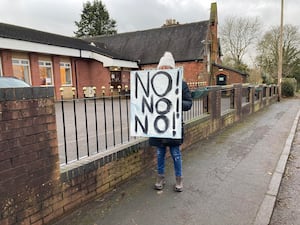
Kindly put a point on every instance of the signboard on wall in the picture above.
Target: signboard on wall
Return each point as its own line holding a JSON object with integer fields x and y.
{"x": 155, "y": 100}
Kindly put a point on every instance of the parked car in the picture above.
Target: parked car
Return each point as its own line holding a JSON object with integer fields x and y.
{"x": 12, "y": 82}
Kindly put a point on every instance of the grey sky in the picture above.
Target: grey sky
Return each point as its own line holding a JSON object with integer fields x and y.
{"x": 58, "y": 16}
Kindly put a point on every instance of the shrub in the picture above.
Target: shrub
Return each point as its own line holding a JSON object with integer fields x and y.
{"x": 287, "y": 88}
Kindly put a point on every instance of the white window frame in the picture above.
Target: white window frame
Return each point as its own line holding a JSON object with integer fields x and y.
{"x": 23, "y": 62}
{"x": 47, "y": 64}
{"x": 67, "y": 65}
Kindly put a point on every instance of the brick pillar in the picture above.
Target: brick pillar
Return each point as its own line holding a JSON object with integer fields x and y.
{"x": 56, "y": 75}
{"x": 252, "y": 97}
{"x": 7, "y": 68}
{"x": 268, "y": 94}
{"x": 260, "y": 94}
{"x": 238, "y": 97}
{"x": 214, "y": 107}
{"x": 34, "y": 68}
{"x": 29, "y": 162}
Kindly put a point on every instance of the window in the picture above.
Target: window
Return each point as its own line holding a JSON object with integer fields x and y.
{"x": 221, "y": 79}
{"x": 46, "y": 74}
{"x": 21, "y": 69}
{"x": 65, "y": 73}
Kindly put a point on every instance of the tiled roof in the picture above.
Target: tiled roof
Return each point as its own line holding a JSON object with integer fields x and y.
{"x": 184, "y": 41}
{"x": 229, "y": 68}
{"x": 31, "y": 35}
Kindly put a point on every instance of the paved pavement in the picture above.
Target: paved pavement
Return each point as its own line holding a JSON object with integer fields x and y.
{"x": 231, "y": 178}
{"x": 287, "y": 207}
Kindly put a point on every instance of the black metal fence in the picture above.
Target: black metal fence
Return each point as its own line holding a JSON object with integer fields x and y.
{"x": 89, "y": 126}
{"x": 93, "y": 125}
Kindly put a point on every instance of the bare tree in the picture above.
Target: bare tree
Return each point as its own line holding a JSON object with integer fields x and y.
{"x": 267, "y": 48}
{"x": 237, "y": 34}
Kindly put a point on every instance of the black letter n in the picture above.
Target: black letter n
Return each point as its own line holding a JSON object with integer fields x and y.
{"x": 144, "y": 128}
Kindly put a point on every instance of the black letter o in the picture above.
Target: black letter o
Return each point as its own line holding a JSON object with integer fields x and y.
{"x": 167, "y": 102}
{"x": 165, "y": 119}
{"x": 169, "y": 87}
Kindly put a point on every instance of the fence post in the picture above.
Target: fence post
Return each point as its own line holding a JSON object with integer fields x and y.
{"x": 214, "y": 107}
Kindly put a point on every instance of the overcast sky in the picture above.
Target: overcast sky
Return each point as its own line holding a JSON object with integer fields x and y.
{"x": 58, "y": 16}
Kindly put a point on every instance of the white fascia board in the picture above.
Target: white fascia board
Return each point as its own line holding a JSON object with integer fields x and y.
{"x": 19, "y": 45}
{"x": 27, "y": 46}
{"x": 124, "y": 63}
{"x": 107, "y": 61}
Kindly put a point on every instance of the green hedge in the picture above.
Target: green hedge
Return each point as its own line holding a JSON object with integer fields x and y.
{"x": 288, "y": 87}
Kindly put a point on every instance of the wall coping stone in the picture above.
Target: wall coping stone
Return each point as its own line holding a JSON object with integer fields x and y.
{"x": 25, "y": 93}
{"x": 80, "y": 167}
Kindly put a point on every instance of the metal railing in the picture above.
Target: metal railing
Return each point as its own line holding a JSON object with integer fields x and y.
{"x": 245, "y": 94}
{"x": 227, "y": 98}
{"x": 92, "y": 125}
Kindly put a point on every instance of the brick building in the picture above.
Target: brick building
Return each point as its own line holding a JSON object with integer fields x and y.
{"x": 45, "y": 59}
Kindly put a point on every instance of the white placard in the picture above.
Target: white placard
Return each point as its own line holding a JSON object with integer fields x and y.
{"x": 155, "y": 100}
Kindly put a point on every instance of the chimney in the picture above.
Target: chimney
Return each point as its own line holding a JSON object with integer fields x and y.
{"x": 170, "y": 22}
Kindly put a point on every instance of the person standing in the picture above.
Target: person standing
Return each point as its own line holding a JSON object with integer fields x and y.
{"x": 167, "y": 62}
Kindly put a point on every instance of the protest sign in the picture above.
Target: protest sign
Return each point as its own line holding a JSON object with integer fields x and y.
{"x": 155, "y": 103}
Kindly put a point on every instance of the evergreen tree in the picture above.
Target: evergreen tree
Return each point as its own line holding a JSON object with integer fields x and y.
{"x": 95, "y": 20}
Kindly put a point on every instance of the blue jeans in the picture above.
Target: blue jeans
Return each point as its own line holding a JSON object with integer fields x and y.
{"x": 176, "y": 155}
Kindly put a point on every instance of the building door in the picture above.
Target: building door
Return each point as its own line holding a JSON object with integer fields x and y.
{"x": 221, "y": 79}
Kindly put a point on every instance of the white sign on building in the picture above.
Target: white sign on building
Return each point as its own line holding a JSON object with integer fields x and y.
{"x": 155, "y": 100}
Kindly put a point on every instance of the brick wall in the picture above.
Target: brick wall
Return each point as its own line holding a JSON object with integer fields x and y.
{"x": 6, "y": 57}
{"x": 193, "y": 71}
{"x": 29, "y": 169}
{"x": 233, "y": 77}
{"x": 35, "y": 190}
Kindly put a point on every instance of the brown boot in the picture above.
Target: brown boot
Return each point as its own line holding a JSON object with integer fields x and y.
{"x": 160, "y": 182}
{"x": 179, "y": 185}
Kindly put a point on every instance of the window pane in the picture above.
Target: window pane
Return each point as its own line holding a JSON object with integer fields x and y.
{"x": 24, "y": 62}
{"x": 49, "y": 80}
{"x": 26, "y": 74}
{"x": 45, "y": 69}
{"x": 65, "y": 73}
{"x": 18, "y": 72}
{"x": 68, "y": 76}
{"x": 21, "y": 69}
{"x": 62, "y": 75}
{"x": 43, "y": 75}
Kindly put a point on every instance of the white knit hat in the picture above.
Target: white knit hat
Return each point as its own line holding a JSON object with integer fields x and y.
{"x": 167, "y": 60}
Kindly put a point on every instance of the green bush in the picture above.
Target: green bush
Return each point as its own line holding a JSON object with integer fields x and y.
{"x": 287, "y": 88}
